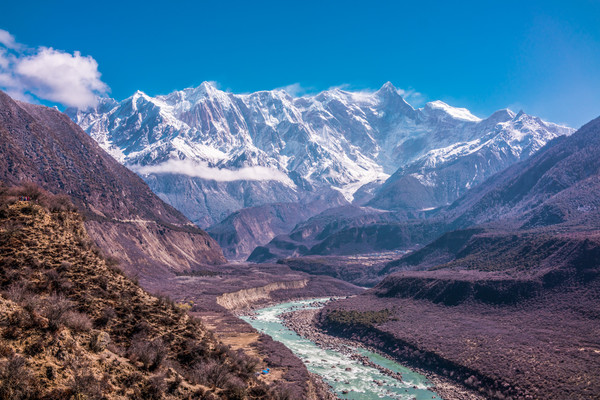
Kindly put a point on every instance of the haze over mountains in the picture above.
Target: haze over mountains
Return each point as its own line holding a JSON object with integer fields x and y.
{"x": 210, "y": 153}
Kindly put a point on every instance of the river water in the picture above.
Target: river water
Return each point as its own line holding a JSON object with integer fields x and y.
{"x": 360, "y": 381}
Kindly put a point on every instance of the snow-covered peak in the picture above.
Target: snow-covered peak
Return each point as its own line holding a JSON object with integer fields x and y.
{"x": 388, "y": 87}
{"x": 139, "y": 95}
{"x": 502, "y": 115}
{"x": 337, "y": 139}
{"x": 457, "y": 113}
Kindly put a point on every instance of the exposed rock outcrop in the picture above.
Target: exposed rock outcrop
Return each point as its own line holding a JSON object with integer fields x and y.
{"x": 247, "y": 297}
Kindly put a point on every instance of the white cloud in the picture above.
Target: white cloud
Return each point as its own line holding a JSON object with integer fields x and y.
{"x": 416, "y": 99}
{"x": 296, "y": 89}
{"x": 202, "y": 170}
{"x": 48, "y": 74}
{"x": 8, "y": 40}
{"x": 72, "y": 80}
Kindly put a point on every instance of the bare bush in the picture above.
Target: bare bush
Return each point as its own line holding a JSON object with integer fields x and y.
{"x": 235, "y": 388}
{"x": 56, "y": 310}
{"x": 77, "y": 321}
{"x": 210, "y": 373}
{"x": 16, "y": 380}
{"x": 244, "y": 364}
{"x": 193, "y": 351}
{"x": 108, "y": 314}
{"x": 150, "y": 353}
{"x": 86, "y": 386}
{"x": 17, "y": 292}
{"x": 60, "y": 203}
{"x": 57, "y": 282}
{"x": 155, "y": 387}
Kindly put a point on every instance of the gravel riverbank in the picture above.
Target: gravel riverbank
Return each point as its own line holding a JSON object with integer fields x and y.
{"x": 302, "y": 322}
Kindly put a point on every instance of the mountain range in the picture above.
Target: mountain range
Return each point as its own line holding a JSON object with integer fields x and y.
{"x": 503, "y": 265}
{"x": 210, "y": 153}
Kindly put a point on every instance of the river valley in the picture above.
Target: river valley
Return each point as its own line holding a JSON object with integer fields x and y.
{"x": 352, "y": 373}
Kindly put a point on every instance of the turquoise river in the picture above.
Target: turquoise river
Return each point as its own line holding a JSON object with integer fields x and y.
{"x": 349, "y": 378}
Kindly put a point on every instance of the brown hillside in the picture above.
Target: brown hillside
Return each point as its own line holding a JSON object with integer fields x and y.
{"x": 42, "y": 145}
{"x": 73, "y": 326}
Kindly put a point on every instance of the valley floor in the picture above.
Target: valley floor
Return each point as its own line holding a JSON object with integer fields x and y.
{"x": 217, "y": 294}
{"x": 547, "y": 347}
{"x": 304, "y": 323}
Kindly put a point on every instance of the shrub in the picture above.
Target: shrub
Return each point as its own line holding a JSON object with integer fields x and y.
{"x": 107, "y": 315}
{"x": 154, "y": 388}
{"x": 56, "y": 282}
{"x": 235, "y": 388}
{"x": 60, "y": 203}
{"x": 244, "y": 364}
{"x": 193, "y": 351}
{"x": 77, "y": 321}
{"x": 22, "y": 319}
{"x": 17, "y": 292}
{"x": 282, "y": 391}
{"x": 16, "y": 381}
{"x": 210, "y": 373}
{"x": 150, "y": 353}
{"x": 56, "y": 309}
{"x": 86, "y": 386}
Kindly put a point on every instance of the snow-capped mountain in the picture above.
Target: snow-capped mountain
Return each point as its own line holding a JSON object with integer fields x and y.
{"x": 442, "y": 175}
{"x": 209, "y": 152}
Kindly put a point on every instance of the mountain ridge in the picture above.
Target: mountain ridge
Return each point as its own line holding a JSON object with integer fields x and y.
{"x": 335, "y": 139}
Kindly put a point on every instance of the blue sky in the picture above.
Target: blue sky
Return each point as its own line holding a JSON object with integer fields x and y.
{"x": 540, "y": 56}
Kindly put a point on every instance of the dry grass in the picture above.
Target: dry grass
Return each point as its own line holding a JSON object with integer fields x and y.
{"x": 73, "y": 326}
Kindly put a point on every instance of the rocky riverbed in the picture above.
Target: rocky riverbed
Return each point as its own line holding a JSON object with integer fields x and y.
{"x": 355, "y": 375}
{"x": 302, "y": 322}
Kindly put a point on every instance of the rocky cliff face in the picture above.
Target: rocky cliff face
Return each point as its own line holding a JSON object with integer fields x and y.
{"x": 247, "y": 297}
{"x": 125, "y": 218}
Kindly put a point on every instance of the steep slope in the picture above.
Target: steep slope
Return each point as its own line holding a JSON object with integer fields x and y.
{"x": 209, "y": 153}
{"x": 550, "y": 198}
{"x": 72, "y": 326}
{"x": 556, "y": 185}
{"x": 123, "y": 216}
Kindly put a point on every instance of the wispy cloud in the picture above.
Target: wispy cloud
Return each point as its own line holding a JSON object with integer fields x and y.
{"x": 204, "y": 171}
{"x": 297, "y": 89}
{"x": 8, "y": 40}
{"x": 415, "y": 98}
{"x": 49, "y": 74}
